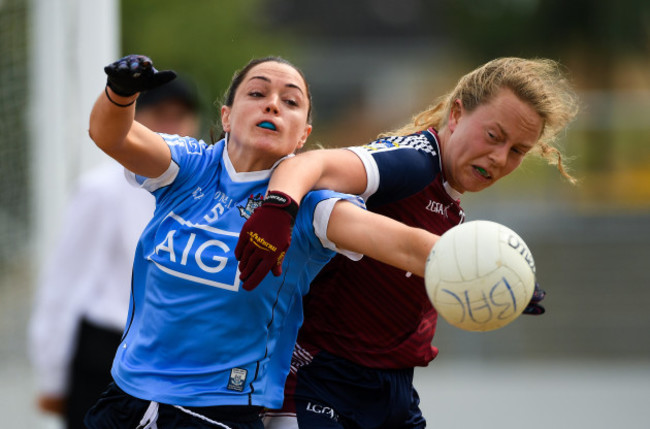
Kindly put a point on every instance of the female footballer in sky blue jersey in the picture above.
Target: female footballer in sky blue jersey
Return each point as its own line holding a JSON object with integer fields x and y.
{"x": 199, "y": 350}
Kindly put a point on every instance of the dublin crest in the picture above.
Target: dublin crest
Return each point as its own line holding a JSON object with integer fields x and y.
{"x": 254, "y": 201}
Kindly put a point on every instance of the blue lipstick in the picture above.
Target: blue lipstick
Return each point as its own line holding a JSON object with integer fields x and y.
{"x": 268, "y": 125}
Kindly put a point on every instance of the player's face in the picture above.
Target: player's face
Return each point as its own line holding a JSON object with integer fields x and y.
{"x": 268, "y": 117}
{"x": 490, "y": 142}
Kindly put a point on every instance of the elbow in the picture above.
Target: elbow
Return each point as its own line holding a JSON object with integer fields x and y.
{"x": 96, "y": 137}
{"x": 91, "y": 134}
{"x": 96, "y": 131}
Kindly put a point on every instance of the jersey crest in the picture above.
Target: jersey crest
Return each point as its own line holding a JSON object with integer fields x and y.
{"x": 254, "y": 201}
{"x": 237, "y": 379}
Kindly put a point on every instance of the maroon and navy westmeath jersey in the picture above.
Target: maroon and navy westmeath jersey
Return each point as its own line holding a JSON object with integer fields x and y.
{"x": 368, "y": 312}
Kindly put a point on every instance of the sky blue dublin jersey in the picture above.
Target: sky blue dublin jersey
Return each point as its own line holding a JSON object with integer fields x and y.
{"x": 194, "y": 337}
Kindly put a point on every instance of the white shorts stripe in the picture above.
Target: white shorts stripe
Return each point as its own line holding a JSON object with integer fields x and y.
{"x": 150, "y": 417}
{"x": 202, "y": 417}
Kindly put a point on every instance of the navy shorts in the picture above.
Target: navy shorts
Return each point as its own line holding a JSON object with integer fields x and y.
{"x": 331, "y": 392}
{"x": 118, "y": 410}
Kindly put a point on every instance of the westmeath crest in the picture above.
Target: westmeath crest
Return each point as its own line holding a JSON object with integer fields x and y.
{"x": 254, "y": 201}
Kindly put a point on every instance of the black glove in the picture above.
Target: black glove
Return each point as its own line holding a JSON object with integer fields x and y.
{"x": 135, "y": 73}
{"x": 534, "y": 308}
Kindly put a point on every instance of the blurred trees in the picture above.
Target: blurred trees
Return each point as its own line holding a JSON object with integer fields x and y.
{"x": 554, "y": 28}
{"x": 593, "y": 38}
{"x": 212, "y": 38}
{"x": 353, "y": 51}
{"x": 206, "y": 39}
{"x": 14, "y": 155}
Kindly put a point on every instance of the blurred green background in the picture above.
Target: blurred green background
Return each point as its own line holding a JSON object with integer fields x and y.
{"x": 371, "y": 65}
{"x": 374, "y": 63}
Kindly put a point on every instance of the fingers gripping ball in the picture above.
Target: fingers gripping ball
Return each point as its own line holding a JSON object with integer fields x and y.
{"x": 135, "y": 73}
{"x": 480, "y": 276}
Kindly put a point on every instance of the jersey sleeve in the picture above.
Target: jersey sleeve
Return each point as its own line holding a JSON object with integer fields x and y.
{"x": 399, "y": 166}
{"x": 186, "y": 158}
{"x": 316, "y": 209}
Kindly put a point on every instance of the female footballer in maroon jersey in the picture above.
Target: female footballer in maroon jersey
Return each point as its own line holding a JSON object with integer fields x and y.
{"x": 367, "y": 324}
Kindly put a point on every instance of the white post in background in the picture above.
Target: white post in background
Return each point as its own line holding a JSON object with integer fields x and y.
{"x": 71, "y": 42}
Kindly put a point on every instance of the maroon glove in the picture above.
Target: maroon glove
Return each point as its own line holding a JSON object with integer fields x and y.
{"x": 265, "y": 238}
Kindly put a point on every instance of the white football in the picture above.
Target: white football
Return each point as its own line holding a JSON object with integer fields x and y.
{"x": 480, "y": 276}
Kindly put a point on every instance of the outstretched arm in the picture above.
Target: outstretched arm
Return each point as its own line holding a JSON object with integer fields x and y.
{"x": 337, "y": 169}
{"x": 112, "y": 125}
{"x": 379, "y": 237}
{"x": 393, "y": 243}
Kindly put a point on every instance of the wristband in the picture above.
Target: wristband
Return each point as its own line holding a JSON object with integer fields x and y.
{"x": 115, "y": 102}
{"x": 283, "y": 201}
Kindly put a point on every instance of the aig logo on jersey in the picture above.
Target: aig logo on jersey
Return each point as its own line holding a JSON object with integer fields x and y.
{"x": 196, "y": 253}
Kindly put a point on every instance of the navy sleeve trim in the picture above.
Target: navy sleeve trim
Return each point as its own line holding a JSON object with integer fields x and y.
{"x": 406, "y": 165}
